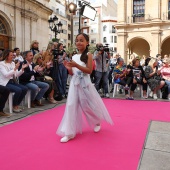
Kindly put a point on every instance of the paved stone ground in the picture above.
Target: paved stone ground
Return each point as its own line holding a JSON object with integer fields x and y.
{"x": 28, "y": 112}
{"x": 156, "y": 152}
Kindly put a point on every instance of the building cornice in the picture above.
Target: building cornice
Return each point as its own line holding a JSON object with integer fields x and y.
{"x": 109, "y": 20}
{"x": 142, "y": 24}
{"x": 38, "y": 5}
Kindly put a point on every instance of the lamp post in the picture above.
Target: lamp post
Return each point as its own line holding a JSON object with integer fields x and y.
{"x": 73, "y": 8}
{"x": 82, "y": 5}
{"x": 55, "y": 26}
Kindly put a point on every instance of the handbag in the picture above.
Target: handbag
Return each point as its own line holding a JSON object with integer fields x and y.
{"x": 48, "y": 78}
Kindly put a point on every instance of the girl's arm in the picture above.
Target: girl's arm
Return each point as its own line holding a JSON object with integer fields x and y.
{"x": 87, "y": 69}
{"x": 70, "y": 71}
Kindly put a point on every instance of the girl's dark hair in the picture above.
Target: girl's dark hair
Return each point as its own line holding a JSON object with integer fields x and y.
{"x": 84, "y": 56}
{"x": 6, "y": 53}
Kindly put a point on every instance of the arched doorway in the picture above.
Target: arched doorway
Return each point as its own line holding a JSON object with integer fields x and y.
{"x": 4, "y": 39}
{"x": 165, "y": 50}
{"x": 139, "y": 47}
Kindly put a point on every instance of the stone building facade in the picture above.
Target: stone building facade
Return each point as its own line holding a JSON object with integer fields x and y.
{"x": 22, "y": 21}
{"x": 143, "y": 27}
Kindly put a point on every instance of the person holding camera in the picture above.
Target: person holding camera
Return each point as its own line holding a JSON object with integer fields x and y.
{"x": 100, "y": 56}
{"x": 61, "y": 76}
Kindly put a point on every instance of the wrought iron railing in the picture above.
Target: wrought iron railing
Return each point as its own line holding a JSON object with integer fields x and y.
{"x": 140, "y": 17}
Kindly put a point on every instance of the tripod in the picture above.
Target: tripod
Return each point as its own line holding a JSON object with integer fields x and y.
{"x": 56, "y": 70}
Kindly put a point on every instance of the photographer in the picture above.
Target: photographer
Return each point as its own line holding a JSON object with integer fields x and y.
{"x": 100, "y": 56}
{"x": 61, "y": 76}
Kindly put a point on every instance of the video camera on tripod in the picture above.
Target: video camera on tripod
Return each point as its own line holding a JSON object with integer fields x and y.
{"x": 104, "y": 48}
{"x": 57, "y": 52}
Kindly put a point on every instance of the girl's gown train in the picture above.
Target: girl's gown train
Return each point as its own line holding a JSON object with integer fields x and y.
{"x": 82, "y": 98}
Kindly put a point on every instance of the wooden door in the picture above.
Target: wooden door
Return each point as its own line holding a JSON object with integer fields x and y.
{"x": 4, "y": 42}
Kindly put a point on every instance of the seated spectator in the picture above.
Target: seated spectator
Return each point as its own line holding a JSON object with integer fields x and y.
{"x": 8, "y": 77}
{"x": 153, "y": 77}
{"x": 4, "y": 93}
{"x": 165, "y": 72}
{"x": 37, "y": 88}
{"x": 123, "y": 76}
{"x": 45, "y": 71}
{"x": 34, "y": 47}
{"x": 138, "y": 78}
{"x": 159, "y": 58}
{"x": 18, "y": 56}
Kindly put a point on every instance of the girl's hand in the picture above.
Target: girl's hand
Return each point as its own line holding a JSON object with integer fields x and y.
{"x": 72, "y": 64}
{"x": 66, "y": 65}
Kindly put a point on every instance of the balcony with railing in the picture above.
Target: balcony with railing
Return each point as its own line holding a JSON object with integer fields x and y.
{"x": 140, "y": 17}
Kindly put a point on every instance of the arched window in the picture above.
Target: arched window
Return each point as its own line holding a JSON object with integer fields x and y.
{"x": 104, "y": 28}
{"x": 2, "y": 28}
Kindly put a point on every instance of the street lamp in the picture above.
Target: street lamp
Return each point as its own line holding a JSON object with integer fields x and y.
{"x": 84, "y": 9}
{"x": 55, "y": 26}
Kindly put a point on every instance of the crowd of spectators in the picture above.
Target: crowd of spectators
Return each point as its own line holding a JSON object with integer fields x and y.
{"x": 40, "y": 72}
{"x": 44, "y": 75}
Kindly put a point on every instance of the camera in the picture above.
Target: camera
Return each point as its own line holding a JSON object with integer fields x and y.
{"x": 103, "y": 48}
{"x": 57, "y": 52}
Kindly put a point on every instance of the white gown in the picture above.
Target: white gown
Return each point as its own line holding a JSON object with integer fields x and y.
{"x": 82, "y": 98}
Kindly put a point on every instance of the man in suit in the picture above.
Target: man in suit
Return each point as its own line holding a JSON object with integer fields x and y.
{"x": 37, "y": 88}
{"x": 4, "y": 93}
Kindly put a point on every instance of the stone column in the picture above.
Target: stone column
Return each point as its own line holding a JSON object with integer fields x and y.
{"x": 122, "y": 45}
{"x": 156, "y": 43}
{"x": 122, "y": 9}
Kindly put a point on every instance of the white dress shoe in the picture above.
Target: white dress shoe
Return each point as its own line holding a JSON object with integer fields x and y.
{"x": 66, "y": 139}
{"x": 97, "y": 128}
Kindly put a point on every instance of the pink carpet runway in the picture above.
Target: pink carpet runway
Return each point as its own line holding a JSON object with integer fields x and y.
{"x": 32, "y": 143}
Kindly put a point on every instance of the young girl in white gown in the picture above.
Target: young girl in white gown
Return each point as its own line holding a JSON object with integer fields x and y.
{"x": 82, "y": 95}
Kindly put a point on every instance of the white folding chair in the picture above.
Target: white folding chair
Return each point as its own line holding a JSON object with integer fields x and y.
{"x": 10, "y": 101}
{"x": 116, "y": 86}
